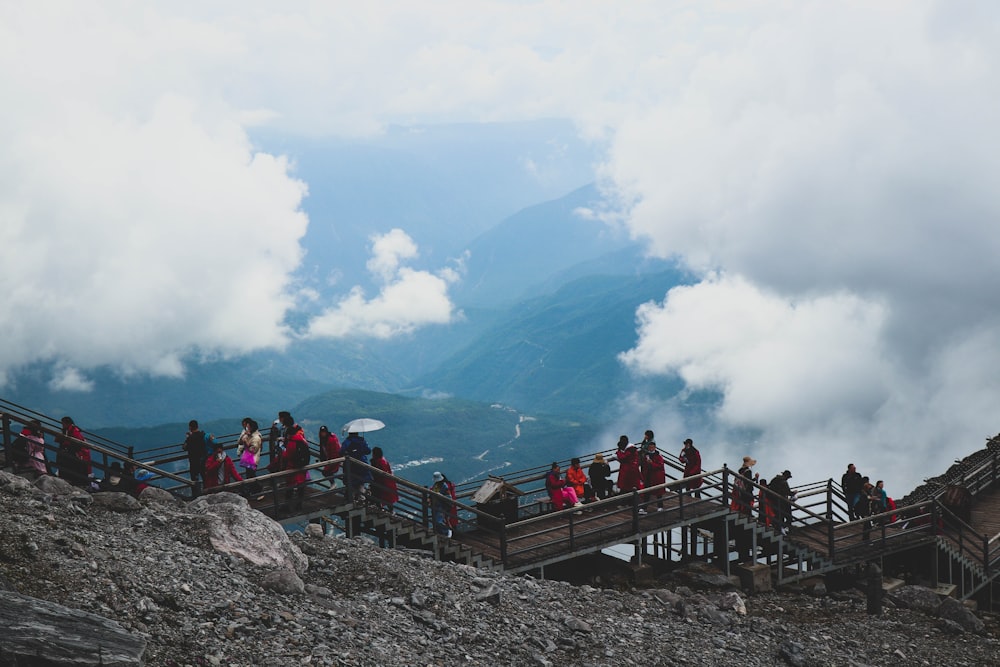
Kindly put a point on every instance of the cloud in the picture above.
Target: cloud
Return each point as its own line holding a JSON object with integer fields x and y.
{"x": 70, "y": 379}
{"x": 830, "y": 165}
{"x": 827, "y": 170}
{"x": 408, "y": 298}
{"x": 776, "y": 361}
{"x": 133, "y": 242}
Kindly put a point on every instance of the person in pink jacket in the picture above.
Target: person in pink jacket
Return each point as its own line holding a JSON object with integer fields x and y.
{"x": 560, "y": 492}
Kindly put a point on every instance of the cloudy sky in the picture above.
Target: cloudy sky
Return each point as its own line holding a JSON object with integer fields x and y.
{"x": 826, "y": 168}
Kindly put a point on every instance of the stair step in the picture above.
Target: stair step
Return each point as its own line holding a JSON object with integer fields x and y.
{"x": 946, "y": 590}
{"x": 890, "y": 584}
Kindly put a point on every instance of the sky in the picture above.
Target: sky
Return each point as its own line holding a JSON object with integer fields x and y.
{"x": 825, "y": 170}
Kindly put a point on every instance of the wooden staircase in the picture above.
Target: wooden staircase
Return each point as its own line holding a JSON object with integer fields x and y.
{"x": 394, "y": 530}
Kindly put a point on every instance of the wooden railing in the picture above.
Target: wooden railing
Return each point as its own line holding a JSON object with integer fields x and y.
{"x": 818, "y": 513}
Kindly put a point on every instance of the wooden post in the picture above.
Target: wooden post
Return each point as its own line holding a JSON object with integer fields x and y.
{"x": 874, "y": 589}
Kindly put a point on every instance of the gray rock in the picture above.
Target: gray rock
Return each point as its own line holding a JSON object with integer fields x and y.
{"x": 237, "y": 529}
{"x": 15, "y": 484}
{"x": 919, "y": 598}
{"x": 949, "y": 627}
{"x": 154, "y": 495}
{"x": 283, "y": 581}
{"x": 732, "y": 602}
{"x": 116, "y": 501}
{"x": 668, "y": 598}
{"x": 953, "y": 610}
{"x": 56, "y": 486}
{"x": 491, "y": 595}
{"x": 41, "y": 632}
{"x": 792, "y": 653}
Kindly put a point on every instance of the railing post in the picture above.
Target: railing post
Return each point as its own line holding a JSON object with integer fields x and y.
{"x": 6, "y": 437}
{"x": 829, "y": 517}
{"x": 503, "y": 544}
{"x": 726, "y": 500}
{"x": 635, "y": 511}
{"x": 425, "y": 508}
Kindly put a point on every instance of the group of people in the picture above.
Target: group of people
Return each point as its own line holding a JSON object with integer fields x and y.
{"x": 863, "y": 498}
{"x": 642, "y": 469}
{"x": 640, "y": 466}
{"x": 773, "y": 500}
{"x": 72, "y": 461}
{"x": 289, "y": 450}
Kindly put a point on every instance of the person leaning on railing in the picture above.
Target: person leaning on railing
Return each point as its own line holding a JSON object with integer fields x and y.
{"x": 73, "y": 457}
{"x": 248, "y": 450}
{"x": 444, "y": 514}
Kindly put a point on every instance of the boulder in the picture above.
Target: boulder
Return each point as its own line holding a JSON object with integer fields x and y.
{"x": 116, "y": 501}
{"x": 285, "y": 582}
{"x": 919, "y": 598}
{"x": 953, "y": 610}
{"x": 15, "y": 484}
{"x": 154, "y": 495}
{"x": 56, "y": 486}
{"x": 237, "y": 529}
{"x": 38, "y": 632}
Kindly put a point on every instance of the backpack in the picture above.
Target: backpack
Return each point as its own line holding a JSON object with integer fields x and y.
{"x": 300, "y": 455}
{"x": 19, "y": 450}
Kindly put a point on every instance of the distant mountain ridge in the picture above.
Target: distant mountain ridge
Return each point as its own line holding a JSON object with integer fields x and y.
{"x": 557, "y": 353}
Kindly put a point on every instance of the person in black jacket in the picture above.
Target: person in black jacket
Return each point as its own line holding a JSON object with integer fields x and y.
{"x": 600, "y": 477}
{"x": 851, "y": 483}
{"x": 782, "y": 495}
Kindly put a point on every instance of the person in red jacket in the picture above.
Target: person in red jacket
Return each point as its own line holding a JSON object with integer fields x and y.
{"x": 691, "y": 458}
{"x": 73, "y": 457}
{"x": 295, "y": 484}
{"x": 329, "y": 449}
{"x": 219, "y": 469}
{"x": 653, "y": 469}
{"x": 384, "y": 489}
{"x": 629, "y": 477}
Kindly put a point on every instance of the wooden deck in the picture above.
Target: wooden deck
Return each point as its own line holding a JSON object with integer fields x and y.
{"x": 536, "y": 541}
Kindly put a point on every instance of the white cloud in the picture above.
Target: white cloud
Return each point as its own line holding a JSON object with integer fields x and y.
{"x": 835, "y": 160}
{"x": 838, "y": 160}
{"x": 70, "y": 379}
{"x": 388, "y": 251}
{"x": 408, "y": 298}
{"x": 777, "y": 362}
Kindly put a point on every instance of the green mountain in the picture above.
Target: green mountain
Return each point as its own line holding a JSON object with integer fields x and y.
{"x": 558, "y": 353}
{"x": 464, "y": 439}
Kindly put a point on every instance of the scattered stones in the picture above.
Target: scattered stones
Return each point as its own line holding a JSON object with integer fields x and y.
{"x": 214, "y": 582}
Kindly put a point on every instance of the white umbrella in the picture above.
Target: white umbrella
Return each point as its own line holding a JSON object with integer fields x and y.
{"x": 363, "y": 425}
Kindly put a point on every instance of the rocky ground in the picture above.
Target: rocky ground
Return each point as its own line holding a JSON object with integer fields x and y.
{"x": 216, "y": 583}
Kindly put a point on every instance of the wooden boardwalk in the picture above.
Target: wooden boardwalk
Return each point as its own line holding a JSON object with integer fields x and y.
{"x": 820, "y": 540}
{"x": 816, "y": 543}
